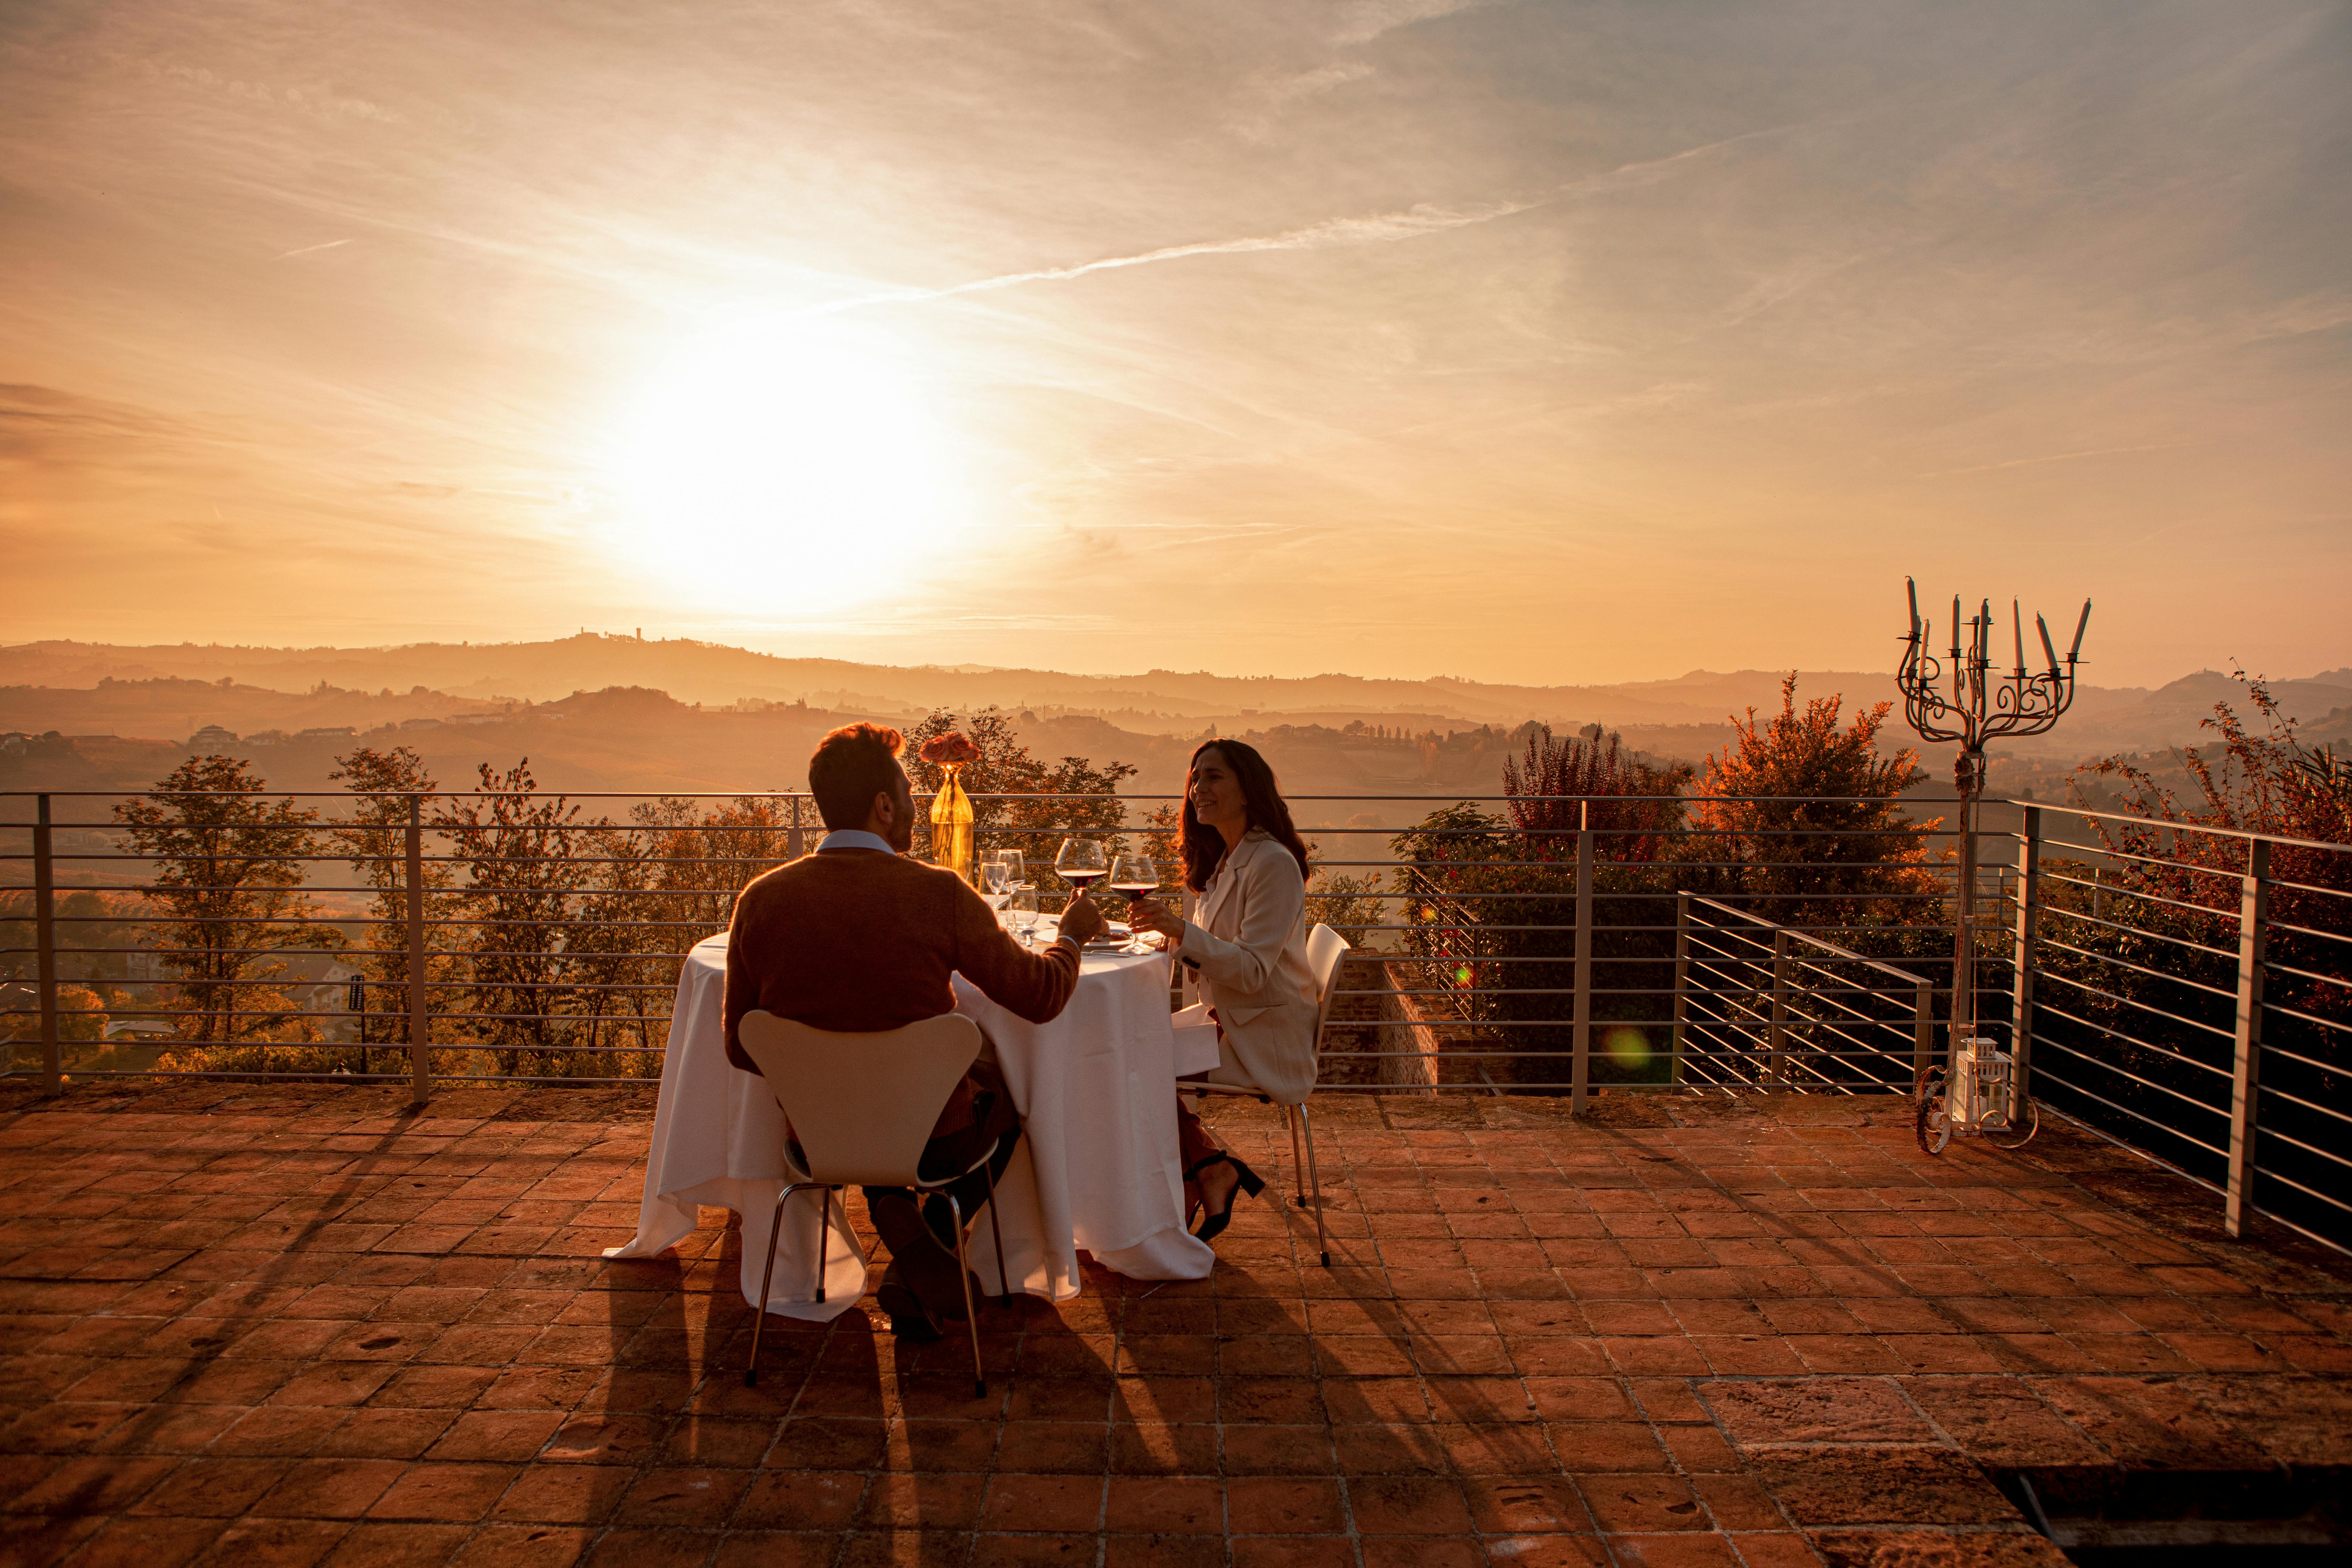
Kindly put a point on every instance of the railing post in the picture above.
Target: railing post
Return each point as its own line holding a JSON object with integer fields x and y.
{"x": 45, "y": 939}
{"x": 793, "y": 845}
{"x": 1682, "y": 982}
{"x": 2020, "y": 1002}
{"x": 1580, "y": 1076}
{"x": 1923, "y": 1031}
{"x": 420, "y": 1016}
{"x": 1777, "y": 1041}
{"x": 2245, "y": 1078}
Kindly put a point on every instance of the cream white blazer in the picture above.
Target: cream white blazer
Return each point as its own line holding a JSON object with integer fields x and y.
{"x": 1248, "y": 935}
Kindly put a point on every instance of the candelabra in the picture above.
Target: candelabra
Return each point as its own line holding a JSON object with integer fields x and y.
{"x": 1965, "y": 700}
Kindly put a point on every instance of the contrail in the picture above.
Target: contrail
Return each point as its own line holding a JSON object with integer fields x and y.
{"x": 308, "y": 249}
{"x": 2053, "y": 457}
{"x": 1411, "y": 224}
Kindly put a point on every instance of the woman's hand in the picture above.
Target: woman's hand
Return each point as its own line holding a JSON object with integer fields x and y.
{"x": 1149, "y": 914}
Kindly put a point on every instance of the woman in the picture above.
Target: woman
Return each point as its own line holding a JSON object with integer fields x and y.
{"x": 1247, "y": 946}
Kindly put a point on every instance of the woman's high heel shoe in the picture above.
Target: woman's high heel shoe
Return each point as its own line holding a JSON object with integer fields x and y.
{"x": 1215, "y": 1220}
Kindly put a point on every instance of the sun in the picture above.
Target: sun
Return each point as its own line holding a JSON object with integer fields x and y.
{"x": 785, "y": 466}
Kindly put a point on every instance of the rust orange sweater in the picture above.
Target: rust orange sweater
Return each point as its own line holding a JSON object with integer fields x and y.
{"x": 856, "y": 940}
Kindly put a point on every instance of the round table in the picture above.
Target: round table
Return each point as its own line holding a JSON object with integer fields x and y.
{"x": 1097, "y": 1166}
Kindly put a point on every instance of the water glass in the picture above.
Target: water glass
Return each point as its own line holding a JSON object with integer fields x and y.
{"x": 1023, "y": 903}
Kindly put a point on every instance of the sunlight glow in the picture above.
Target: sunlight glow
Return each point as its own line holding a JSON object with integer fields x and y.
{"x": 786, "y": 465}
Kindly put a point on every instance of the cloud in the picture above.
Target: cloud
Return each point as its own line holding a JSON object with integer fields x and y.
{"x": 1365, "y": 20}
{"x": 308, "y": 249}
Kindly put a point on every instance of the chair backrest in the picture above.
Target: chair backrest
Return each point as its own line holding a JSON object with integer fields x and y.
{"x": 862, "y": 1106}
{"x": 1325, "y": 949}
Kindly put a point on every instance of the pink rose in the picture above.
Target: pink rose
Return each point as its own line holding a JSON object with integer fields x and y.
{"x": 951, "y": 747}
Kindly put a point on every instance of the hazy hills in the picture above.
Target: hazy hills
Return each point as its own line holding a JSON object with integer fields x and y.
{"x": 1159, "y": 701}
{"x": 597, "y": 712}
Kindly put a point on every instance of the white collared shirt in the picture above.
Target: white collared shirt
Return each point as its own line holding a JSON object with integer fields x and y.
{"x": 854, "y": 838}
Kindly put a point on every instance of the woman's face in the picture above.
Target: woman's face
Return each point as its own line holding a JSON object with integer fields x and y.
{"x": 1215, "y": 794}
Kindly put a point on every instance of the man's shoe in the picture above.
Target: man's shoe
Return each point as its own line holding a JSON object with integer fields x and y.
{"x": 908, "y": 1320}
{"x": 920, "y": 1264}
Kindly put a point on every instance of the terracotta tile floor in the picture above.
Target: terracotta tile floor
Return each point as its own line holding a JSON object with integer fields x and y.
{"x": 253, "y": 1325}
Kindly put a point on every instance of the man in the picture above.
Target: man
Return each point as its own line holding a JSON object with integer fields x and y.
{"x": 857, "y": 938}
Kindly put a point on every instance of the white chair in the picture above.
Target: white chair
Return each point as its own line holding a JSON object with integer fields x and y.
{"x": 1325, "y": 949}
{"x": 862, "y": 1108}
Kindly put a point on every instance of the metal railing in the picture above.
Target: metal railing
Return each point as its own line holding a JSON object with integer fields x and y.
{"x": 1758, "y": 1006}
{"x": 2163, "y": 982}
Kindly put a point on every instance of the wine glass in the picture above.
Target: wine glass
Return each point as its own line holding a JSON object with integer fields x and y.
{"x": 1023, "y": 903}
{"x": 1137, "y": 876}
{"x": 995, "y": 885}
{"x": 1081, "y": 863}
{"x": 1016, "y": 871}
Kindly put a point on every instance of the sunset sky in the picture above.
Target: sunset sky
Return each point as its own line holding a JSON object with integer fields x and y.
{"x": 1538, "y": 342}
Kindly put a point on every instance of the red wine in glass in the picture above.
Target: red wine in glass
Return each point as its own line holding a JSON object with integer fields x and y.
{"x": 1139, "y": 878}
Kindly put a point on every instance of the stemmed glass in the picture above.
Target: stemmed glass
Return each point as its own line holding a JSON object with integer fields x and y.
{"x": 1016, "y": 872}
{"x": 1137, "y": 876}
{"x": 1023, "y": 900}
{"x": 995, "y": 886}
{"x": 1081, "y": 863}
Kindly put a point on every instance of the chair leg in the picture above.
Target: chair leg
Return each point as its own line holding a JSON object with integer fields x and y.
{"x": 971, "y": 1314}
{"x": 1297, "y": 1166}
{"x": 767, "y": 1275}
{"x": 1322, "y": 1242}
{"x": 1003, "y": 1278}
{"x": 823, "y": 1240}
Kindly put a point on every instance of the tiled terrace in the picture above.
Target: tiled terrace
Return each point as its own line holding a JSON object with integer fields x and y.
{"x": 252, "y": 1325}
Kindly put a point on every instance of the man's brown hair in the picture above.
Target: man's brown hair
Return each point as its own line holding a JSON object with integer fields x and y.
{"x": 849, "y": 768}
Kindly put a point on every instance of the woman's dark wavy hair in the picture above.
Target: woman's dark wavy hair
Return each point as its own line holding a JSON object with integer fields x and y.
{"x": 1205, "y": 846}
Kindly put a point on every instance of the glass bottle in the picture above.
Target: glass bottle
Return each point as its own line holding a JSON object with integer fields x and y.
{"x": 952, "y": 823}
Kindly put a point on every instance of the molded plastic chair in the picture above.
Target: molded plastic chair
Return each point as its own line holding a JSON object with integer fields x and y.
{"x": 1325, "y": 949}
{"x": 862, "y": 1108}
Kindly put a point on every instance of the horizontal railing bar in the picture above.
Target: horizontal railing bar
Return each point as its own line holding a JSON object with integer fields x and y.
{"x": 2061, "y": 977}
{"x": 2272, "y": 1091}
{"x": 2114, "y": 963}
{"x": 2193, "y": 1142}
{"x": 2165, "y": 1051}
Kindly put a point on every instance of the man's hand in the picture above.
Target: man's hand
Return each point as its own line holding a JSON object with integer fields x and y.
{"x": 1083, "y": 920}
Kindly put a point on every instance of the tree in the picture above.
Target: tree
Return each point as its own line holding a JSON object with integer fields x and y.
{"x": 1801, "y": 821}
{"x": 2139, "y": 970}
{"x": 386, "y": 787}
{"x": 1629, "y": 805}
{"x": 522, "y": 878}
{"x": 1492, "y": 899}
{"x": 227, "y": 883}
{"x": 1035, "y": 827}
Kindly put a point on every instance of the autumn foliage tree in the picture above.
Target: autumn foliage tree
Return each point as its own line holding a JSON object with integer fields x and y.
{"x": 1490, "y": 899}
{"x": 1799, "y": 820}
{"x": 227, "y": 887}
{"x": 523, "y": 878}
{"x": 387, "y": 786}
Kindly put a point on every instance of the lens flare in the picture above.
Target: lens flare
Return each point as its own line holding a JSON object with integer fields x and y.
{"x": 1627, "y": 1046}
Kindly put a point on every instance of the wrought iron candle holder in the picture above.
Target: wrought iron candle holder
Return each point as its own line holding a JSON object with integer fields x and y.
{"x": 1964, "y": 699}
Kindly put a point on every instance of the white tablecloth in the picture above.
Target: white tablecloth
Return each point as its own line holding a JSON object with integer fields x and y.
{"x": 1098, "y": 1165}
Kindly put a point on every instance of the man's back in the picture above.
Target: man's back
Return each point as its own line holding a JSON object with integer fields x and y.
{"x": 858, "y": 941}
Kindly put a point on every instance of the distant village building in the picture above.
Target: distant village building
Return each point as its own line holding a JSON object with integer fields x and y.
{"x": 13, "y": 744}
{"x": 212, "y": 735}
{"x": 421, "y": 724}
{"x": 326, "y": 732}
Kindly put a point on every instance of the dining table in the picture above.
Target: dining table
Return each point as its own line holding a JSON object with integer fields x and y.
{"x": 1097, "y": 1170}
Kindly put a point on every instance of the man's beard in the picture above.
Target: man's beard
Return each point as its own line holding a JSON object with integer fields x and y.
{"x": 902, "y": 832}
